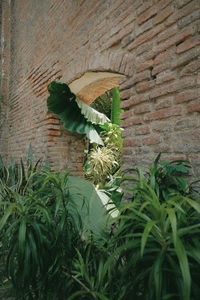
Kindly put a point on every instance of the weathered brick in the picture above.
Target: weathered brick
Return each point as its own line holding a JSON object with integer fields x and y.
{"x": 164, "y": 56}
{"x": 173, "y": 87}
{"x": 142, "y": 130}
{"x": 54, "y": 132}
{"x": 186, "y": 96}
{"x": 53, "y": 121}
{"x": 190, "y": 43}
{"x": 191, "y": 68}
{"x": 152, "y": 140}
{"x": 154, "y": 41}
{"x": 185, "y": 58}
{"x": 184, "y": 11}
{"x": 143, "y": 86}
{"x": 189, "y": 19}
{"x": 126, "y": 114}
{"x": 165, "y": 76}
{"x": 184, "y": 124}
{"x": 193, "y": 107}
{"x": 166, "y": 65}
{"x": 132, "y": 142}
{"x": 145, "y": 65}
{"x": 152, "y": 11}
{"x": 163, "y": 103}
{"x": 186, "y": 147}
{"x": 142, "y": 108}
{"x": 161, "y": 16}
{"x": 144, "y": 27}
{"x": 163, "y": 113}
{"x": 131, "y": 122}
{"x": 146, "y": 36}
{"x": 174, "y": 39}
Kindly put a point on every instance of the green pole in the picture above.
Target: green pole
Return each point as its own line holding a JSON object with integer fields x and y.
{"x": 115, "y": 108}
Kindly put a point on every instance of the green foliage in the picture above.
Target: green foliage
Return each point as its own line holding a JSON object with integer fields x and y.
{"x": 103, "y": 104}
{"x": 56, "y": 243}
{"x": 157, "y": 241}
{"x": 77, "y": 117}
{"x": 100, "y": 163}
{"x": 112, "y": 138}
{"x": 45, "y": 216}
{"x": 103, "y": 162}
{"x": 116, "y": 110}
{"x": 166, "y": 178}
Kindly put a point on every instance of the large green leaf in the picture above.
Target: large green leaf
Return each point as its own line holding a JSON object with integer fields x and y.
{"x": 93, "y": 212}
{"x": 63, "y": 103}
{"x": 91, "y": 114}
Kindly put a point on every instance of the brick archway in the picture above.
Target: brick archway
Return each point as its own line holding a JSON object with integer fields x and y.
{"x": 93, "y": 84}
{"x": 106, "y": 70}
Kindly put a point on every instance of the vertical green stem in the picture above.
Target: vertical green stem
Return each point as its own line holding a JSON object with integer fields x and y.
{"x": 115, "y": 109}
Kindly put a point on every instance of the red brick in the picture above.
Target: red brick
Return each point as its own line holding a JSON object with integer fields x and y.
{"x": 51, "y": 139}
{"x": 163, "y": 127}
{"x": 161, "y": 16}
{"x": 54, "y": 132}
{"x": 126, "y": 103}
{"x": 180, "y": 13}
{"x": 142, "y": 130}
{"x": 145, "y": 65}
{"x": 173, "y": 87}
{"x": 165, "y": 76}
{"x": 142, "y": 108}
{"x": 163, "y": 113}
{"x": 193, "y": 107}
{"x": 166, "y": 65}
{"x": 145, "y": 37}
{"x": 139, "y": 99}
{"x": 152, "y": 11}
{"x": 131, "y": 122}
{"x": 143, "y": 86}
{"x": 151, "y": 140}
{"x": 190, "y": 43}
{"x": 126, "y": 94}
{"x": 167, "y": 33}
{"x": 144, "y": 6}
{"x": 174, "y": 39}
{"x": 163, "y": 103}
{"x": 164, "y": 56}
{"x": 144, "y": 27}
{"x": 131, "y": 142}
{"x": 186, "y": 96}
{"x": 185, "y": 58}
{"x": 191, "y": 68}
{"x": 53, "y": 121}
{"x": 126, "y": 114}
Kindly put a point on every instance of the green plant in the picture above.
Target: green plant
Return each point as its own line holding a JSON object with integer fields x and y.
{"x": 76, "y": 115}
{"x": 158, "y": 239}
{"x": 115, "y": 109}
{"x": 103, "y": 103}
{"x": 100, "y": 164}
{"x": 43, "y": 220}
{"x": 112, "y": 138}
{"x": 167, "y": 178}
{"x": 103, "y": 162}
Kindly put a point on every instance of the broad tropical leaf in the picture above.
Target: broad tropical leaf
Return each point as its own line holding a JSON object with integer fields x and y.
{"x": 63, "y": 103}
{"x": 91, "y": 114}
{"x": 89, "y": 205}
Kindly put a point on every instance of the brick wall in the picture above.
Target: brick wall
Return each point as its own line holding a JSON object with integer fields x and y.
{"x": 156, "y": 44}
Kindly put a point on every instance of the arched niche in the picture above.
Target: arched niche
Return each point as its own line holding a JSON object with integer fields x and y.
{"x": 93, "y": 84}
